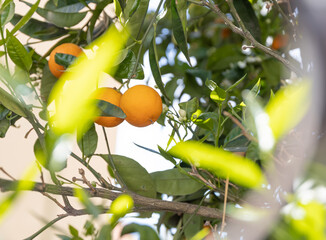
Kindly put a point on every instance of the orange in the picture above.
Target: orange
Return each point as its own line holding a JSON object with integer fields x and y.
{"x": 110, "y": 95}
{"x": 66, "y": 48}
{"x": 280, "y": 41}
{"x": 142, "y": 105}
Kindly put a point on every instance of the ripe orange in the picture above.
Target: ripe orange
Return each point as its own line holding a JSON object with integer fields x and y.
{"x": 110, "y": 95}
{"x": 66, "y": 48}
{"x": 280, "y": 41}
{"x": 142, "y": 105}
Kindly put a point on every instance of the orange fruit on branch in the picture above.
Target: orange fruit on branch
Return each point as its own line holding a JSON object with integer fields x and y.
{"x": 66, "y": 48}
{"x": 280, "y": 41}
{"x": 112, "y": 96}
{"x": 142, "y": 105}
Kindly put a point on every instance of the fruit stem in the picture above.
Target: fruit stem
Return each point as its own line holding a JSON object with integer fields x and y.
{"x": 116, "y": 173}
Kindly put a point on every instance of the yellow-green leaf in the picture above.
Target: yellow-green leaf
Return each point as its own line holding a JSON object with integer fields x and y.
{"x": 71, "y": 103}
{"x": 287, "y": 108}
{"x": 240, "y": 170}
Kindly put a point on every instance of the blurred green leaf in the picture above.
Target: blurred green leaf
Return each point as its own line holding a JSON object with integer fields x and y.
{"x": 117, "y": 8}
{"x": 134, "y": 7}
{"x": 12, "y": 103}
{"x": 288, "y": 107}
{"x": 236, "y": 83}
{"x": 178, "y": 30}
{"x": 87, "y": 143}
{"x": 256, "y": 88}
{"x": 39, "y": 30}
{"x": 84, "y": 199}
{"x": 134, "y": 175}
{"x": 7, "y": 13}
{"x": 166, "y": 155}
{"x": 145, "y": 232}
{"x": 218, "y": 95}
{"x": 248, "y": 17}
{"x": 190, "y": 107}
{"x": 173, "y": 182}
{"x": 137, "y": 19}
{"x": 153, "y": 62}
{"x": 194, "y": 224}
{"x": 73, "y": 231}
{"x": 110, "y": 110}
{"x": 47, "y": 83}
{"x": 122, "y": 205}
{"x": 60, "y": 17}
{"x": 240, "y": 170}
{"x": 126, "y": 67}
{"x": 18, "y": 53}
{"x": 89, "y": 227}
{"x": 64, "y": 59}
{"x": 105, "y": 233}
{"x": 24, "y": 19}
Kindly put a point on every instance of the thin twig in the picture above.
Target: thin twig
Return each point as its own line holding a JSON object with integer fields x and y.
{"x": 247, "y": 35}
{"x": 84, "y": 179}
{"x": 238, "y": 123}
{"x": 112, "y": 165}
{"x": 5, "y": 172}
{"x": 224, "y": 207}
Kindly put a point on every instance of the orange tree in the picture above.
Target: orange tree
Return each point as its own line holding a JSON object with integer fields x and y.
{"x": 243, "y": 96}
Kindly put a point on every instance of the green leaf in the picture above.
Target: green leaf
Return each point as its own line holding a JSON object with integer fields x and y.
{"x": 173, "y": 182}
{"x": 24, "y": 19}
{"x": 145, "y": 232}
{"x": 60, "y": 17}
{"x": 89, "y": 227}
{"x": 105, "y": 233}
{"x": 223, "y": 56}
{"x": 66, "y": 6}
{"x": 3, "y": 112}
{"x": 288, "y": 107}
{"x": 12, "y": 103}
{"x": 179, "y": 30}
{"x": 7, "y": 13}
{"x": 126, "y": 67}
{"x": 253, "y": 151}
{"x": 73, "y": 231}
{"x": 248, "y": 17}
{"x": 236, "y": 83}
{"x": 155, "y": 67}
{"x": 235, "y": 141}
{"x": 166, "y": 155}
{"x": 190, "y": 107}
{"x": 110, "y": 110}
{"x": 18, "y": 53}
{"x": 256, "y": 89}
{"x": 211, "y": 84}
{"x": 195, "y": 224}
{"x": 87, "y": 143}
{"x": 240, "y": 170}
{"x": 117, "y": 8}
{"x": 64, "y": 59}
{"x": 136, "y": 20}
{"x": 39, "y": 30}
{"x": 218, "y": 95}
{"x": 84, "y": 199}
{"x": 134, "y": 175}
{"x": 47, "y": 83}
{"x": 206, "y": 120}
{"x": 63, "y": 237}
{"x": 134, "y": 7}
{"x": 4, "y": 126}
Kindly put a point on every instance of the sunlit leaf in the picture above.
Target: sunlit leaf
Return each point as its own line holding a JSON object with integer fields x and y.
{"x": 120, "y": 207}
{"x": 288, "y": 107}
{"x": 240, "y": 170}
{"x": 72, "y": 94}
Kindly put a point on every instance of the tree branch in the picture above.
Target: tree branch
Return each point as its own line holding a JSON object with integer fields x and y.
{"x": 247, "y": 35}
{"x": 141, "y": 203}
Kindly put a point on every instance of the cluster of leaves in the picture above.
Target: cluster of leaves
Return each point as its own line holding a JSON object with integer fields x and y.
{"x": 199, "y": 66}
